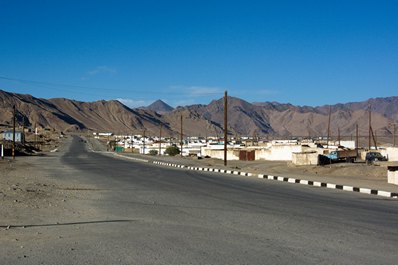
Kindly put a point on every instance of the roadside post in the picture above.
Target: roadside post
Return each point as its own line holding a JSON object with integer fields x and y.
{"x": 2, "y": 151}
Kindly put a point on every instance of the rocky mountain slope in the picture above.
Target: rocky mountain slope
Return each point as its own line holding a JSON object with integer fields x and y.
{"x": 69, "y": 115}
{"x": 244, "y": 118}
{"x": 31, "y": 111}
{"x": 159, "y": 106}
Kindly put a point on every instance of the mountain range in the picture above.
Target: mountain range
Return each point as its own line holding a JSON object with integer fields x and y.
{"x": 244, "y": 118}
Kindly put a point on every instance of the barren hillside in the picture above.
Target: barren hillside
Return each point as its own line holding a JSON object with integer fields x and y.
{"x": 244, "y": 118}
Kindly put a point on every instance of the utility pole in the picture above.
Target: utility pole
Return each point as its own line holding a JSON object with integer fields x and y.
{"x": 181, "y": 143}
{"x": 225, "y": 126}
{"x": 330, "y": 113}
{"x": 338, "y": 136}
{"x": 374, "y": 138}
{"x": 370, "y": 126}
{"x": 357, "y": 139}
{"x": 143, "y": 143}
{"x": 160, "y": 140}
{"x": 13, "y": 132}
{"x": 36, "y": 136}
{"x": 395, "y": 130}
{"x": 23, "y": 130}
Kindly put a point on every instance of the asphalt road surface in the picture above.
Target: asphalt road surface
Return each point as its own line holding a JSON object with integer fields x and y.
{"x": 140, "y": 213}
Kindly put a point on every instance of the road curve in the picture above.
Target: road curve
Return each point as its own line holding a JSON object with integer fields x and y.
{"x": 148, "y": 214}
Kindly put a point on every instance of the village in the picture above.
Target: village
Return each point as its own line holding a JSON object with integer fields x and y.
{"x": 300, "y": 152}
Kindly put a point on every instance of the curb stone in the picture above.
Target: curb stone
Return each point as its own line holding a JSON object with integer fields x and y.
{"x": 288, "y": 180}
{"x": 131, "y": 158}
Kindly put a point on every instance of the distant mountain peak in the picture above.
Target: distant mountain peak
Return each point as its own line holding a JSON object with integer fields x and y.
{"x": 244, "y": 118}
{"x": 160, "y": 106}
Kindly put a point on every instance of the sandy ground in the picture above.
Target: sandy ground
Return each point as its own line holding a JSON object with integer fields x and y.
{"x": 24, "y": 191}
{"x": 34, "y": 199}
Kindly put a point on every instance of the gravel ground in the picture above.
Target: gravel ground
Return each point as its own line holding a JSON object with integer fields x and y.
{"x": 34, "y": 197}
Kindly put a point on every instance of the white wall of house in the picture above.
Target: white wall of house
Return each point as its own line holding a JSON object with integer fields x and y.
{"x": 305, "y": 158}
{"x": 8, "y": 136}
{"x": 219, "y": 153}
{"x": 278, "y": 152}
{"x": 348, "y": 144}
{"x": 150, "y": 147}
{"x": 392, "y": 177}
{"x": 391, "y": 153}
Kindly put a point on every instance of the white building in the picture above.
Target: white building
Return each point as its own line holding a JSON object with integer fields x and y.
{"x": 19, "y": 136}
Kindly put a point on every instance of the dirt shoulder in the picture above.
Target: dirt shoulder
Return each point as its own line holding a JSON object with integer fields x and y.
{"x": 31, "y": 196}
{"x": 34, "y": 197}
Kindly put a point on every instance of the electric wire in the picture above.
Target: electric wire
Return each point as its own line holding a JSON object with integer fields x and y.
{"x": 83, "y": 89}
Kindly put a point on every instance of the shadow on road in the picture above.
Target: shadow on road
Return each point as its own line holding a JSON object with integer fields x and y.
{"x": 67, "y": 224}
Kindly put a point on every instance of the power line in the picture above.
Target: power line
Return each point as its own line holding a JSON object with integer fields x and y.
{"x": 79, "y": 88}
{"x": 48, "y": 83}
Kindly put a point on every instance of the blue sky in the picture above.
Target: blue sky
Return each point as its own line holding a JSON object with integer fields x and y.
{"x": 188, "y": 52}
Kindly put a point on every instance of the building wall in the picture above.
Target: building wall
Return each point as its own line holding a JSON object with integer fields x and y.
{"x": 272, "y": 153}
{"x": 392, "y": 153}
{"x": 392, "y": 177}
{"x": 278, "y": 152}
{"x": 219, "y": 154}
{"x": 305, "y": 158}
{"x": 348, "y": 144}
{"x": 8, "y": 136}
{"x": 149, "y": 148}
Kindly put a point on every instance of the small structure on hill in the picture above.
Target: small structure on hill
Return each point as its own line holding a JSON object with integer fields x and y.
{"x": 19, "y": 136}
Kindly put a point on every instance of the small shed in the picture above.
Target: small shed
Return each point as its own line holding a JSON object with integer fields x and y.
{"x": 19, "y": 136}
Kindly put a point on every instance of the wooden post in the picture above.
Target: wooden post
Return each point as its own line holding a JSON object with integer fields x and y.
{"x": 143, "y": 143}
{"x": 225, "y": 126}
{"x": 357, "y": 139}
{"x": 181, "y": 143}
{"x": 160, "y": 140}
{"x": 13, "y": 132}
{"x": 330, "y": 113}
{"x": 370, "y": 127}
{"x": 374, "y": 138}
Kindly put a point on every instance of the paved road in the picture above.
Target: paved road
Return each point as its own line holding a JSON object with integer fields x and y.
{"x": 146, "y": 214}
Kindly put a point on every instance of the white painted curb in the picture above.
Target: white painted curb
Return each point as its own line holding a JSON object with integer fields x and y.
{"x": 286, "y": 179}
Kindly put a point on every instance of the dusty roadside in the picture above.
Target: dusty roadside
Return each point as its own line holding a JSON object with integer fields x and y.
{"x": 36, "y": 203}
{"x": 31, "y": 196}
